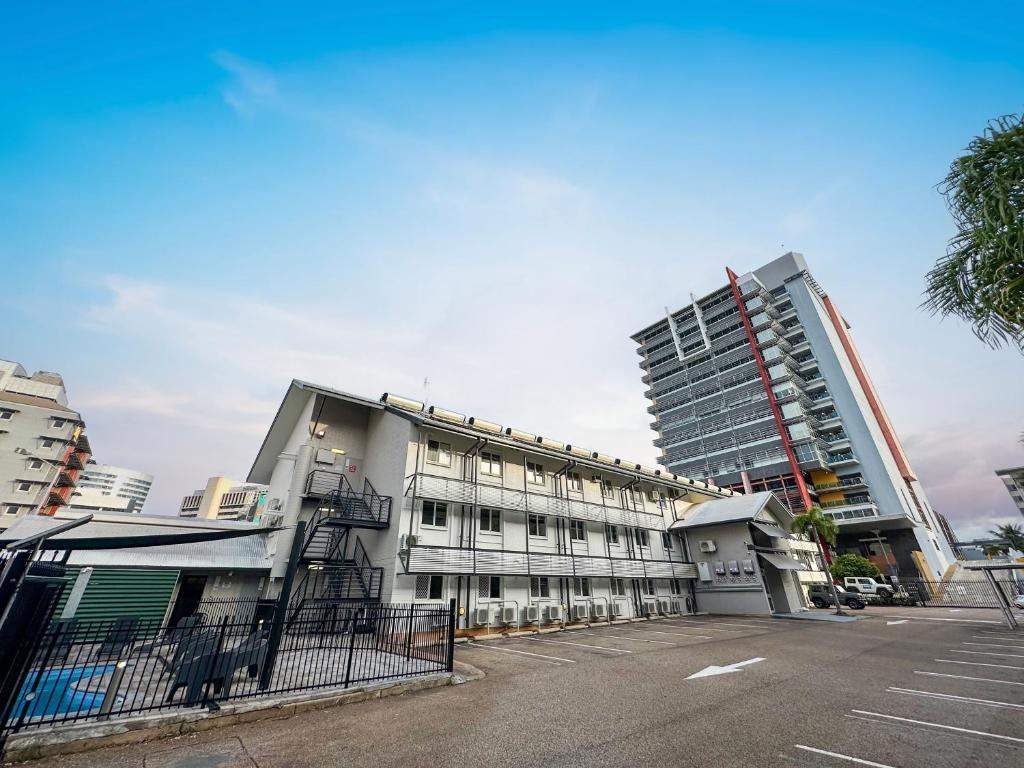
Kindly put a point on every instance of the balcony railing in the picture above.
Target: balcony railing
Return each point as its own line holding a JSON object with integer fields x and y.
{"x": 853, "y": 513}
{"x": 844, "y": 483}
{"x": 422, "y": 558}
{"x": 481, "y": 494}
{"x": 852, "y": 501}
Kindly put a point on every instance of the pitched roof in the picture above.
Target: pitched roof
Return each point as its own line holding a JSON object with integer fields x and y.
{"x": 740, "y": 508}
{"x": 38, "y": 402}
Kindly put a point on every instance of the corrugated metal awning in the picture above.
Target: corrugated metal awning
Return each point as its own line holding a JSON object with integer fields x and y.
{"x": 771, "y": 530}
{"x": 782, "y": 562}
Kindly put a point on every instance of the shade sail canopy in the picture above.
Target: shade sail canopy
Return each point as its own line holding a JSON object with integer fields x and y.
{"x": 782, "y": 562}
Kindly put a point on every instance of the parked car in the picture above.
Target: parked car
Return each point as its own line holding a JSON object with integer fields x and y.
{"x": 1018, "y": 602}
{"x": 821, "y": 596}
{"x": 867, "y": 586}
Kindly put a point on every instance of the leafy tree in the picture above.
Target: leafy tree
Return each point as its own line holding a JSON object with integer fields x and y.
{"x": 1013, "y": 535}
{"x": 994, "y": 550}
{"x": 981, "y": 277}
{"x": 845, "y": 566}
{"x": 818, "y": 527}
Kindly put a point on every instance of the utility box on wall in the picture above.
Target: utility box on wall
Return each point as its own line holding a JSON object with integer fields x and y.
{"x": 704, "y": 571}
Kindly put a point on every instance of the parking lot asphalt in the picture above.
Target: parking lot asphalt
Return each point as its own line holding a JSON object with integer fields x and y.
{"x": 903, "y": 688}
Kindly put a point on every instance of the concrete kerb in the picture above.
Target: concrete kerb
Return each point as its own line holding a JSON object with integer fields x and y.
{"x": 86, "y": 737}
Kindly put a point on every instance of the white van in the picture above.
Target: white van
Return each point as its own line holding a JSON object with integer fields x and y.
{"x": 867, "y": 586}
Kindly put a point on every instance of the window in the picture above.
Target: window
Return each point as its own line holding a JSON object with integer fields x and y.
{"x": 581, "y": 587}
{"x": 538, "y": 525}
{"x": 490, "y": 464}
{"x": 619, "y": 587}
{"x": 676, "y": 586}
{"x": 429, "y": 587}
{"x": 490, "y": 520}
{"x": 648, "y": 586}
{"x": 6, "y": 415}
{"x": 489, "y": 588}
{"x": 439, "y": 453}
{"x": 654, "y": 495}
{"x": 535, "y": 473}
{"x": 666, "y": 541}
{"x": 47, "y": 443}
{"x": 58, "y": 423}
{"x": 575, "y": 482}
{"x": 35, "y": 464}
{"x": 539, "y": 587}
{"x": 434, "y": 513}
{"x": 643, "y": 537}
{"x": 24, "y": 487}
{"x": 611, "y": 532}
{"x": 577, "y": 530}
{"x": 11, "y": 509}
{"x": 606, "y": 489}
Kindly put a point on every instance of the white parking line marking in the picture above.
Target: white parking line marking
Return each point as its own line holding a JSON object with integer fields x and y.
{"x": 965, "y": 677}
{"x": 995, "y": 645}
{"x": 856, "y": 760}
{"x": 957, "y": 699}
{"x": 989, "y": 653}
{"x": 988, "y": 635}
{"x": 626, "y": 637}
{"x": 939, "y": 725}
{"x": 677, "y": 634}
{"x": 581, "y": 645}
{"x": 960, "y": 621}
{"x": 717, "y": 623}
{"x": 979, "y": 664}
{"x": 476, "y": 647}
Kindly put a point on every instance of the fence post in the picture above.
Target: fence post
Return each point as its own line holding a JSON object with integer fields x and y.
{"x": 408, "y": 635}
{"x": 281, "y": 612}
{"x": 351, "y": 645}
{"x": 451, "y": 635}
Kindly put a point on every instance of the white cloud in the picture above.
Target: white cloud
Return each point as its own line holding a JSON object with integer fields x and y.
{"x": 252, "y": 84}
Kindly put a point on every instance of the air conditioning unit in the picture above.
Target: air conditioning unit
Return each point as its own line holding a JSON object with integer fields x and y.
{"x": 677, "y": 606}
{"x": 665, "y": 606}
{"x": 531, "y": 614}
{"x": 708, "y": 546}
{"x": 651, "y": 607}
{"x": 579, "y": 613}
{"x": 482, "y": 617}
{"x": 508, "y": 614}
{"x": 407, "y": 540}
{"x": 599, "y": 611}
{"x": 554, "y": 613}
{"x": 618, "y": 609}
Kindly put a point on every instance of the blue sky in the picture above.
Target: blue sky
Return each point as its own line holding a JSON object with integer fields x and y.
{"x": 199, "y": 204}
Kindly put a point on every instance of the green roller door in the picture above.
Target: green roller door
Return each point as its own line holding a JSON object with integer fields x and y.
{"x": 112, "y": 593}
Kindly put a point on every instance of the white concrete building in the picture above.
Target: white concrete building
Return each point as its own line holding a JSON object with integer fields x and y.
{"x": 406, "y": 504}
{"x": 225, "y": 499}
{"x": 104, "y": 486}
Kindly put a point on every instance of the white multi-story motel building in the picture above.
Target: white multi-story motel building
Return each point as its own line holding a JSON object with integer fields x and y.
{"x": 406, "y": 503}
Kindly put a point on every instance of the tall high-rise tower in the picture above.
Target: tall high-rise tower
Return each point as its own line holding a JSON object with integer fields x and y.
{"x": 758, "y": 386}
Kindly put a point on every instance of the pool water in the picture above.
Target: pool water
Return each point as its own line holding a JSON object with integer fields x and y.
{"x": 55, "y": 692}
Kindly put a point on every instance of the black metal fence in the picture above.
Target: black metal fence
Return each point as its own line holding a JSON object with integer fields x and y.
{"x": 96, "y": 670}
{"x": 960, "y": 594}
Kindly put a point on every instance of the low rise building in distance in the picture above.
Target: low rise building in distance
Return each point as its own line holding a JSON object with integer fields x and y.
{"x": 43, "y": 446}
{"x": 105, "y": 487}
{"x": 758, "y": 386}
{"x": 225, "y": 499}
{"x": 1013, "y": 479}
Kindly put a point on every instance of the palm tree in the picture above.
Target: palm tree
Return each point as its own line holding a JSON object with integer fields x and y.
{"x": 1013, "y": 535}
{"x": 994, "y": 550}
{"x": 816, "y": 525}
{"x": 981, "y": 277}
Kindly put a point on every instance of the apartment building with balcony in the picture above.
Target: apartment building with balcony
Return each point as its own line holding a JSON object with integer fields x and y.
{"x": 405, "y": 503}
{"x": 43, "y": 446}
{"x": 225, "y": 499}
{"x": 758, "y": 386}
{"x": 1013, "y": 479}
{"x": 105, "y": 487}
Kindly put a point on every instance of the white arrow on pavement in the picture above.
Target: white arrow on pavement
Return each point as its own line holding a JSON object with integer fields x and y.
{"x": 709, "y": 671}
{"x": 901, "y": 621}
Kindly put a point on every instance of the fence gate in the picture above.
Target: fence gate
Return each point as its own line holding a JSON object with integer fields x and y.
{"x": 961, "y": 594}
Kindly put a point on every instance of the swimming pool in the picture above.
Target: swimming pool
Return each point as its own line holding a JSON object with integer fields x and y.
{"x": 55, "y": 692}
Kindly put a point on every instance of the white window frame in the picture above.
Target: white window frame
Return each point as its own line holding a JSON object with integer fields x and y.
{"x": 35, "y": 463}
{"x": 488, "y": 461}
{"x": 538, "y": 523}
{"x": 491, "y": 581}
{"x": 581, "y": 587}
{"x": 433, "y": 505}
{"x": 493, "y": 515}
{"x": 644, "y": 584}
{"x": 574, "y": 482}
{"x": 441, "y": 451}
{"x": 577, "y": 526}
{"x": 534, "y": 471}
{"x": 58, "y": 423}
{"x": 540, "y": 587}
{"x": 607, "y": 489}
{"x": 611, "y": 533}
{"x": 11, "y": 509}
{"x": 666, "y": 541}
{"x": 49, "y": 442}
{"x": 675, "y": 586}
{"x": 643, "y": 538}
{"x": 6, "y": 415}
{"x": 618, "y": 586}
{"x": 23, "y": 487}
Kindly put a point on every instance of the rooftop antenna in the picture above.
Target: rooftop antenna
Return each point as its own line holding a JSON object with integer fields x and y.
{"x": 426, "y": 391}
